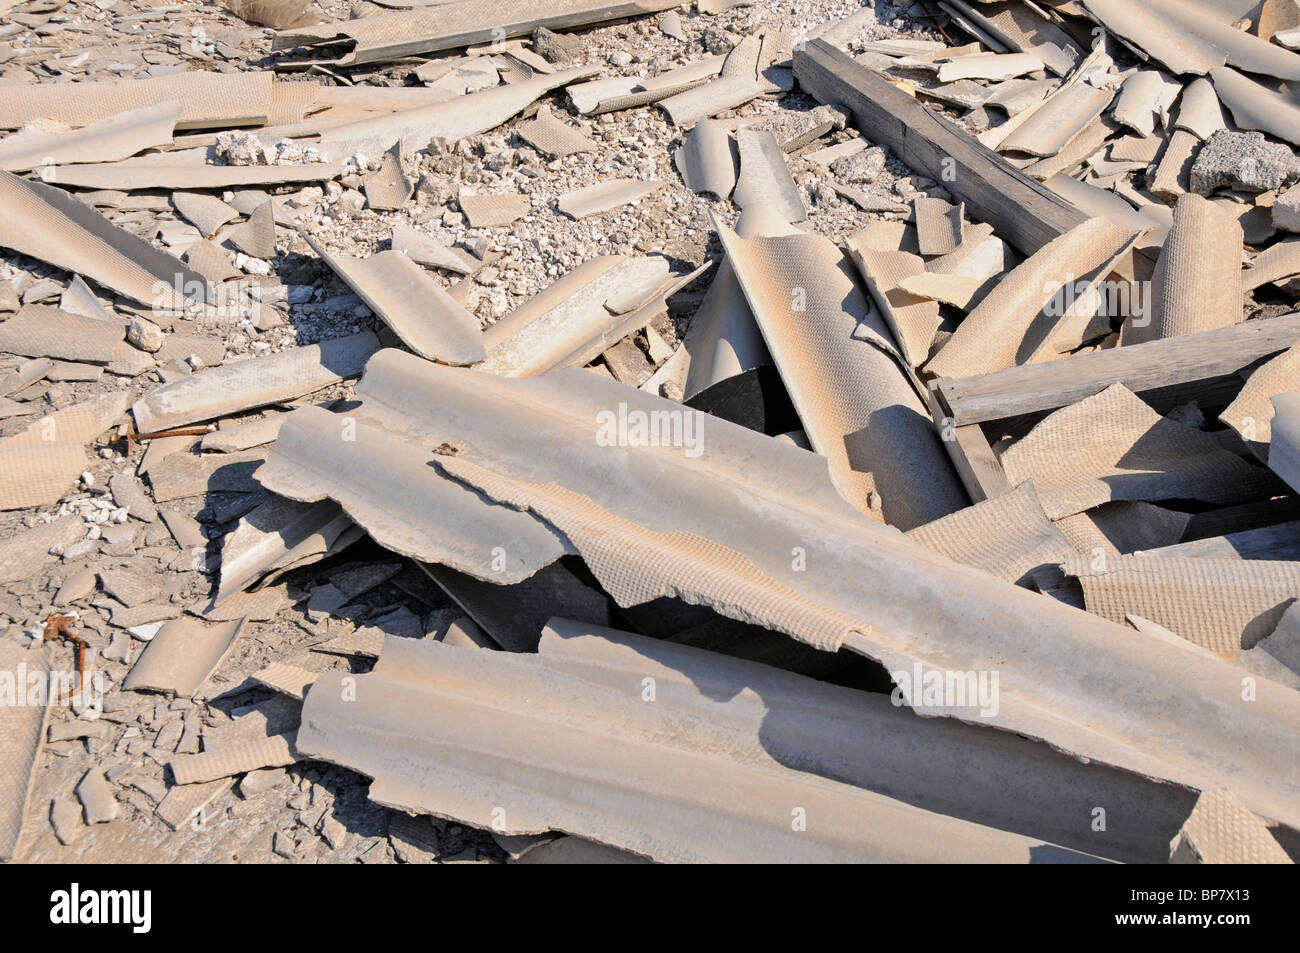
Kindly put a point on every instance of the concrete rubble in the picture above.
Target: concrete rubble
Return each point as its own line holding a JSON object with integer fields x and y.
{"x": 594, "y": 432}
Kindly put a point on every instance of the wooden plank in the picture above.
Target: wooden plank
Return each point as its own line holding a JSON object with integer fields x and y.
{"x": 974, "y": 460}
{"x": 1139, "y": 367}
{"x": 1023, "y": 211}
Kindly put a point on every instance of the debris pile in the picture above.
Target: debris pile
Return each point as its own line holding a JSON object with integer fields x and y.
{"x": 611, "y": 432}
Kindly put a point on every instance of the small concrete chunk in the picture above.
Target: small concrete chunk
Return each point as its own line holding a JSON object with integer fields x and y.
{"x": 1245, "y": 161}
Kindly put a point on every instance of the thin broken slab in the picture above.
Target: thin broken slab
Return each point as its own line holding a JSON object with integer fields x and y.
{"x": 569, "y": 322}
{"x": 49, "y": 224}
{"x": 426, "y": 250}
{"x": 765, "y": 178}
{"x": 605, "y": 196}
{"x": 1251, "y": 413}
{"x": 106, "y": 140}
{"x": 256, "y": 382}
{"x": 443, "y": 122}
{"x": 546, "y": 133}
{"x": 42, "y": 462}
{"x": 181, "y": 656}
{"x": 707, "y": 160}
{"x": 486, "y": 211}
{"x": 22, "y": 735}
{"x": 427, "y": 319}
{"x": 1114, "y": 447}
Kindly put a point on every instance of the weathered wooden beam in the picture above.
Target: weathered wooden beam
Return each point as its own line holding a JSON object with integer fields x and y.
{"x": 1023, "y": 211}
{"x": 1139, "y": 367}
{"x": 976, "y": 464}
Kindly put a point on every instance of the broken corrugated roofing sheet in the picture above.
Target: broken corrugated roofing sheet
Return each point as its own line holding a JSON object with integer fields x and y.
{"x": 1251, "y": 413}
{"x": 710, "y": 98}
{"x": 449, "y": 523}
{"x": 706, "y": 553}
{"x": 278, "y": 534}
{"x": 597, "y": 767}
{"x": 207, "y": 99}
{"x": 1115, "y": 447}
{"x": 427, "y": 319}
{"x": 39, "y": 463}
{"x": 1222, "y": 830}
{"x": 1122, "y": 527}
{"x": 1223, "y": 605}
{"x": 1050, "y": 129}
{"x": 764, "y": 178}
{"x": 162, "y": 173}
{"x": 1255, "y": 106}
{"x": 938, "y": 226}
{"x": 1012, "y": 316}
{"x": 181, "y": 656}
{"x": 604, "y": 196}
{"x": 392, "y": 36}
{"x": 115, "y": 137}
{"x": 912, "y": 320}
{"x": 1197, "y": 280}
{"x": 707, "y": 161}
{"x": 1142, "y": 25}
{"x": 51, "y": 225}
{"x": 1284, "y": 448}
{"x": 256, "y": 382}
{"x": 1008, "y": 536}
{"x": 448, "y": 121}
{"x": 22, "y": 735}
{"x": 857, "y": 404}
{"x": 556, "y": 326}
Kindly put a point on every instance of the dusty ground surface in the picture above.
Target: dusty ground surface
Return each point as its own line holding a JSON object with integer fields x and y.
{"x": 315, "y": 812}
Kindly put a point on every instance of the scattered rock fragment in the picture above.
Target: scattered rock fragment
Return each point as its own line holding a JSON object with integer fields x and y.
{"x": 1245, "y": 161}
